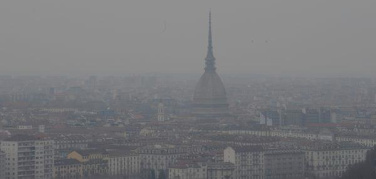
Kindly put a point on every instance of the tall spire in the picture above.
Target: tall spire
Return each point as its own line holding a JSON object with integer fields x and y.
{"x": 210, "y": 60}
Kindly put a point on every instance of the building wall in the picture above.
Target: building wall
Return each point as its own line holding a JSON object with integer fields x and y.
{"x": 332, "y": 163}
{"x": 128, "y": 165}
{"x": 188, "y": 172}
{"x": 68, "y": 171}
{"x": 284, "y": 165}
{"x": 220, "y": 170}
{"x": 248, "y": 164}
{"x": 28, "y": 159}
{"x": 2, "y": 164}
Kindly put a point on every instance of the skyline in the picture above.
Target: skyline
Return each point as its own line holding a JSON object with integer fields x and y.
{"x": 270, "y": 38}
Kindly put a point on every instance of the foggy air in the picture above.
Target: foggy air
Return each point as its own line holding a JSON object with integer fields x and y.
{"x": 166, "y": 89}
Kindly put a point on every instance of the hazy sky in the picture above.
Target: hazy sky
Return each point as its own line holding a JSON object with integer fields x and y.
{"x": 330, "y": 37}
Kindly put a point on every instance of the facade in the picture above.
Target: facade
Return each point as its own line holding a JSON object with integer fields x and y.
{"x": 71, "y": 142}
{"x": 159, "y": 158}
{"x": 2, "y": 164}
{"x": 209, "y": 99}
{"x": 248, "y": 161}
{"x": 254, "y": 162}
{"x": 284, "y": 164}
{"x": 67, "y": 169}
{"x": 328, "y": 159}
{"x": 220, "y": 170}
{"x": 28, "y": 157}
{"x": 86, "y": 155}
{"x": 161, "y": 114}
{"x": 311, "y": 116}
{"x": 95, "y": 167}
{"x": 270, "y": 118}
{"x": 292, "y": 117}
{"x": 188, "y": 171}
{"x": 93, "y": 162}
{"x": 123, "y": 164}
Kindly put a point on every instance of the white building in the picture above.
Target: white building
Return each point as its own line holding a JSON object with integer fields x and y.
{"x": 28, "y": 157}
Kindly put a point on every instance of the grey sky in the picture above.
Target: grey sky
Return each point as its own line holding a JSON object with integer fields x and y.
{"x": 128, "y": 36}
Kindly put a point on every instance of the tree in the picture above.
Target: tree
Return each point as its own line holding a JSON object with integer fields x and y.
{"x": 363, "y": 170}
{"x": 162, "y": 175}
{"x": 152, "y": 174}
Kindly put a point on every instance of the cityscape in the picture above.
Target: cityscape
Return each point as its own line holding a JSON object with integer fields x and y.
{"x": 207, "y": 125}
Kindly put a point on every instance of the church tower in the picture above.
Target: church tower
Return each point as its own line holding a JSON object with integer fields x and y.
{"x": 161, "y": 113}
{"x": 209, "y": 99}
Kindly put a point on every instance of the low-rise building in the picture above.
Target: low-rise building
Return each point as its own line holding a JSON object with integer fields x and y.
{"x": 332, "y": 159}
{"x": 71, "y": 142}
{"x": 220, "y": 170}
{"x": 86, "y": 155}
{"x": 190, "y": 170}
{"x": 2, "y": 164}
{"x": 160, "y": 157}
{"x": 67, "y": 169}
{"x": 28, "y": 157}
{"x": 284, "y": 164}
{"x": 95, "y": 167}
{"x": 248, "y": 161}
{"x": 123, "y": 163}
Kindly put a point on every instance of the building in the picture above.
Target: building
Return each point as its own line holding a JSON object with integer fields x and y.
{"x": 284, "y": 164}
{"x": 123, "y": 163}
{"x": 28, "y": 157}
{"x": 248, "y": 161}
{"x": 324, "y": 159}
{"x": 86, "y": 155}
{"x": 311, "y": 116}
{"x": 71, "y": 142}
{"x": 270, "y": 118}
{"x": 292, "y": 117}
{"x": 2, "y": 164}
{"x": 209, "y": 99}
{"x": 220, "y": 170}
{"x": 67, "y": 169}
{"x": 189, "y": 170}
{"x": 161, "y": 114}
{"x": 95, "y": 167}
{"x": 160, "y": 157}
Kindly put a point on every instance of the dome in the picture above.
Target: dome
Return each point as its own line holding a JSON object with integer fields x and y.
{"x": 209, "y": 99}
{"x": 210, "y": 90}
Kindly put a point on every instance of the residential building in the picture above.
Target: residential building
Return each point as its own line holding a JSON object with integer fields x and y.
{"x": 248, "y": 161}
{"x": 284, "y": 164}
{"x": 28, "y": 157}
{"x": 189, "y": 170}
{"x": 71, "y": 142}
{"x": 220, "y": 170}
{"x": 95, "y": 167}
{"x": 2, "y": 164}
{"x": 123, "y": 163}
{"x": 331, "y": 159}
{"x": 161, "y": 157}
{"x": 67, "y": 169}
{"x": 86, "y": 155}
